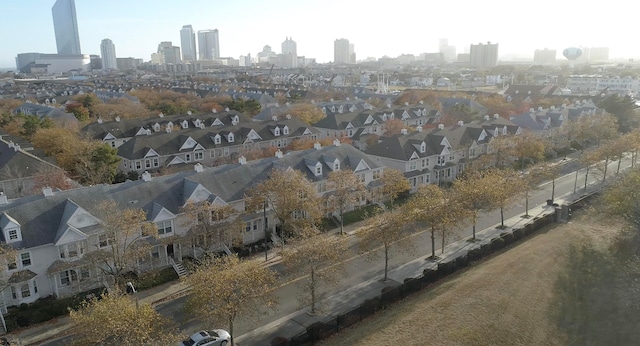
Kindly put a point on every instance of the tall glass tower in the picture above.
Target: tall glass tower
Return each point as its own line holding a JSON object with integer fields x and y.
{"x": 108, "y": 52}
{"x": 208, "y": 44}
{"x": 188, "y": 43}
{"x": 65, "y": 25}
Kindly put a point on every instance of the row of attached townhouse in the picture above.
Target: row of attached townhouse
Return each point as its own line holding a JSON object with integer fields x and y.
{"x": 439, "y": 155}
{"x": 356, "y": 125}
{"x": 54, "y": 232}
{"x": 543, "y": 119}
{"x": 153, "y": 143}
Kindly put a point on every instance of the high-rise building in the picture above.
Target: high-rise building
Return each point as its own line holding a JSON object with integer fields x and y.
{"x": 208, "y": 44}
{"x": 483, "y": 55}
{"x": 448, "y": 52}
{"x": 289, "y": 53}
{"x": 341, "y": 51}
{"x": 188, "y": 43}
{"x": 65, "y": 25}
{"x": 108, "y": 53}
{"x": 169, "y": 54}
{"x": 544, "y": 56}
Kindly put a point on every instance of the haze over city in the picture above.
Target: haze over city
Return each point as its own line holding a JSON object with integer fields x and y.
{"x": 402, "y": 27}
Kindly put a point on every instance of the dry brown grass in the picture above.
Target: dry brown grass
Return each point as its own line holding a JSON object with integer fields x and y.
{"x": 506, "y": 300}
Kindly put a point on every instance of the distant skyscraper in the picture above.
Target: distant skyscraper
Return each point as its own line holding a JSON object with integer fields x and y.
{"x": 208, "y": 44}
{"x": 65, "y": 25}
{"x": 341, "y": 51}
{"x": 169, "y": 54}
{"x": 108, "y": 53}
{"x": 289, "y": 53}
{"x": 544, "y": 56}
{"x": 188, "y": 43}
{"x": 483, "y": 55}
{"x": 448, "y": 52}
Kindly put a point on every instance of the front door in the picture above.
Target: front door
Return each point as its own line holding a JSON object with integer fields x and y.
{"x": 170, "y": 251}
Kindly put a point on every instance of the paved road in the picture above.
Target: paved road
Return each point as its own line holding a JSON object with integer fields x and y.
{"x": 361, "y": 268}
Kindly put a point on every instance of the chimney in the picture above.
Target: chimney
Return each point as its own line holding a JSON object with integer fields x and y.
{"x": 47, "y": 191}
{"x": 11, "y": 144}
{"x": 317, "y": 145}
{"x": 421, "y": 102}
{"x": 336, "y": 142}
{"x": 531, "y": 110}
{"x": 486, "y": 117}
{"x": 403, "y": 131}
{"x": 419, "y": 128}
{"x": 99, "y": 120}
{"x": 198, "y": 168}
{"x": 161, "y": 115}
{"x": 16, "y": 147}
{"x": 146, "y": 176}
{"x": 3, "y": 199}
{"x": 496, "y": 116}
{"x": 279, "y": 154}
{"x": 242, "y": 160}
{"x": 406, "y": 103}
{"x": 441, "y": 126}
{"x": 460, "y": 123}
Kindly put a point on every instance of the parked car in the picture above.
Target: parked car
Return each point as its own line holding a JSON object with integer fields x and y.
{"x": 216, "y": 337}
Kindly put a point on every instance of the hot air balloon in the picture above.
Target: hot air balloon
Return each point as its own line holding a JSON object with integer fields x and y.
{"x": 572, "y": 53}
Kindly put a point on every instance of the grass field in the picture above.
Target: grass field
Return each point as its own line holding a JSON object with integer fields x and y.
{"x": 509, "y": 299}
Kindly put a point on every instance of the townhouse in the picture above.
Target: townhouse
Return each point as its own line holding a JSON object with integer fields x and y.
{"x": 56, "y": 233}
{"x": 439, "y": 155}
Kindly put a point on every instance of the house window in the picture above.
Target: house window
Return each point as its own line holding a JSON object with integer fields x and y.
{"x": 441, "y": 160}
{"x": 104, "y": 240}
{"x": 198, "y": 155}
{"x": 336, "y": 166}
{"x": 12, "y": 265}
{"x": 13, "y": 234}
{"x": 413, "y": 165}
{"x": 362, "y": 177}
{"x": 213, "y": 154}
{"x": 25, "y": 291}
{"x": 322, "y": 187}
{"x": 276, "y": 131}
{"x": 217, "y": 140}
{"x": 427, "y": 178}
{"x": 425, "y": 163}
{"x": 285, "y": 130}
{"x": 318, "y": 170}
{"x": 14, "y": 293}
{"x": 138, "y": 165}
{"x": 247, "y": 227}
{"x": 451, "y": 157}
{"x": 279, "y": 143}
{"x": 350, "y": 133}
{"x": 155, "y": 253}
{"x": 187, "y": 157}
{"x": 376, "y": 175}
{"x": 226, "y": 151}
{"x": 68, "y": 277}
{"x": 230, "y": 138}
{"x": 156, "y": 162}
{"x": 25, "y": 259}
{"x": 71, "y": 250}
{"x": 164, "y": 227}
{"x": 147, "y": 163}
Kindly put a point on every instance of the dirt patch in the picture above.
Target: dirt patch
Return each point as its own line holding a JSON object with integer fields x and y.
{"x": 506, "y": 300}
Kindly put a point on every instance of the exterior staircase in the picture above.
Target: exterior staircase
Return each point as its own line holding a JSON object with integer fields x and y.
{"x": 179, "y": 268}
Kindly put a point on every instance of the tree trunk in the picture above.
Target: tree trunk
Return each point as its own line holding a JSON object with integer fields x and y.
{"x": 231, "y": 331}
{"x": 619, "y": 162}
{"x": 341, "y": 219}
{"x": 386, "y": 261}
{"x": 474, "y": 228}
{"x": 433, "y": 242}
{"x": 553, "y": 188}
{"x": 443, "y": 233}
{"x": 313, "y": 291}
{"x": 586, "y": 177}
{"x": 502, "y": 216}
{"x": 575, "y": 183}
{"x": 526, "y": 203}
{"x": 606, "y": 165}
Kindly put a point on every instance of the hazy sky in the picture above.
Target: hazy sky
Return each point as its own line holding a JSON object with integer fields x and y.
{"x": 376, "y": 28}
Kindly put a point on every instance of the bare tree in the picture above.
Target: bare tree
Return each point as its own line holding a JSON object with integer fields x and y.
{"x": 213, "y": 226}
{"x": 346, "y": 189}
{"x": 227, "y": 288}
{"x": 320, "y": 261}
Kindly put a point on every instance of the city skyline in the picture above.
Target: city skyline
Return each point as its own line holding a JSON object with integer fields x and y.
{"x": 245, "y": 26}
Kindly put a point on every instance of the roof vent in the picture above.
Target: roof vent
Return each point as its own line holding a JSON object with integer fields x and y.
{"x": 146, "y": 176}
{"x": 441, "y": 126}
{"x": 198, "y": 168}
{"x": 47, "y": 191}
{"x": 496, "y": 116}
{"x": 460, "y": 123}
{"x": 486, "y": 117}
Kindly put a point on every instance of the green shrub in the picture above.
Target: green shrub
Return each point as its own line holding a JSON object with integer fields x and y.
{"x": 155, "y": 278}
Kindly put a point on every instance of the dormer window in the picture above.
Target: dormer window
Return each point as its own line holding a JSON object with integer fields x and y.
{"x": 336, "y": 166}
{"x": 276, "y": 131}
{"x": 13, "y": 234}
{"x": 318, "y": 170}
{"x": 230, "y": 137}
{"x": 423, "y": 147}
{"x": 185, "y": 124}
{"x": 217, "y": 139}
{"x": 285, "y": 130}
{"x": 72, "y": 250}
